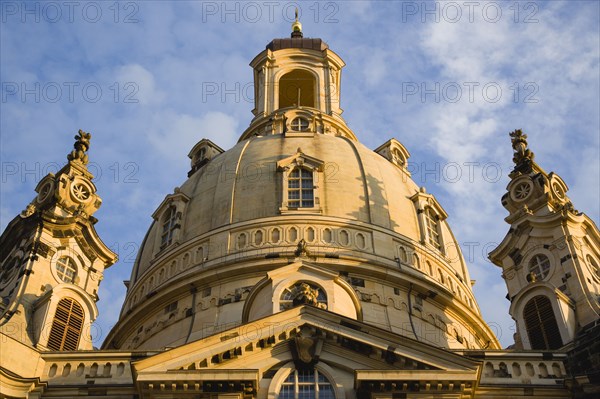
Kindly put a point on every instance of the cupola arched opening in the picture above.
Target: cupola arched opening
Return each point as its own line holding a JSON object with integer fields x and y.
{"x": 297, "y": 88}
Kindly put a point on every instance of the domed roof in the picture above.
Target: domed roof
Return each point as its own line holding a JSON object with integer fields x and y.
{"x": 242, "y": 185}
{"x": 297, "y": 200}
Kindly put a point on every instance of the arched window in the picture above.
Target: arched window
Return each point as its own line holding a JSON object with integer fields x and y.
{"x": 306, "y": 384}
{"x": 66, "y": 269}
{"x": 169, "y": 225}
{"x": 301, "y": 189}
{"x": 540, "y": 266}
{"x": 397, "y": 157}
{"x": 297, "y": 88}
{"x": 66, "y": 326}
{"x": 431, "y": 225}
{"x": 402, "y": 254}
{"x": 541, "y": 325}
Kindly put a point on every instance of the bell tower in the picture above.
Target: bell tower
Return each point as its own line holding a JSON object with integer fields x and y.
{"x": 297, "y": 83}
{"x": 549, "y": 257}
{"x": 53, "y": 260}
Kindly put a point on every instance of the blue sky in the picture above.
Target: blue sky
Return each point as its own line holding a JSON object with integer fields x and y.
{"x": 448, "y": 79}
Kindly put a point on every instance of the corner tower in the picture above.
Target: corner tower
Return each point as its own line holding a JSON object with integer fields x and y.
{"x": 53, "y": 260}
{"x": 549, "y": 258}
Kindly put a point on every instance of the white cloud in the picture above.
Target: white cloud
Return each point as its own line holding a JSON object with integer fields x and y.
{"x": 138, "y": 83}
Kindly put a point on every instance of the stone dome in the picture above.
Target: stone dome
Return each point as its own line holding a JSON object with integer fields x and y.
{"x": 298, "y": 211}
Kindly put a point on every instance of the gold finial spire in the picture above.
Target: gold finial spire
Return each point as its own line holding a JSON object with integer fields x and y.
{"x": 297, "y": 26}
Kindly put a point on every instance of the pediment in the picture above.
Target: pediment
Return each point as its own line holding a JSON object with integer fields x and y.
{"x": 300, "y": 159}
{"x": 367, "y": 351}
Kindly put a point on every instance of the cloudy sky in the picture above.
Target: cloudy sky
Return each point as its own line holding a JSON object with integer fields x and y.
{"x": 449, "y": 80}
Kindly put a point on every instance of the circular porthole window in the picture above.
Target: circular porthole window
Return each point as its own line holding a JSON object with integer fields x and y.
{"x": 539, "y": 265}
{"x": 558, "y": 191}
{"x": 521, "y": 191}
{"x": 45, "y": 192}
{"x": 593, "y": 266}
{"x": 299, "y": 124}
{"x": 66, "y": 269}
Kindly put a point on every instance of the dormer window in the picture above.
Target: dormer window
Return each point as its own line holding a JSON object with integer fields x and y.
{"x": 169, "y": 225}
{"x": 169, "y": 219}
{"x": 202, "y": 153}
{"x": 396, "y": 153}
{"x": 430, "y": 215}
{"x": 300, "y": 183}
{"x": 432, "y": 225}
{"x": 300, "y": 188}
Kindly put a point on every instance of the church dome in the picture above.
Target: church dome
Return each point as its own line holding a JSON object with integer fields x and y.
{"x": 299, "y": 212}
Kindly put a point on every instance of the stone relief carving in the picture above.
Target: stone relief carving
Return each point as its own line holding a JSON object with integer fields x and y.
{"x": 304, "y": 294}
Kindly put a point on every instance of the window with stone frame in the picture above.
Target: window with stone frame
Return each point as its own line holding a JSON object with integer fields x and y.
{"x": 539, "y": 265}
{"x": 300, "y": 179}
{"x": 66, "y": 269}
{"x": 169, "y": 224}
{"x": 169, "y": 219}
{"x": 300, "y": 188}
{"x": 300, "y": 124}
{"x": 306, "y": 384}
{"x": 540, "y": 323}
{"x": 430, "y": 216}
{"x": 66, "y": 326}
{"x": 432, "y": 228}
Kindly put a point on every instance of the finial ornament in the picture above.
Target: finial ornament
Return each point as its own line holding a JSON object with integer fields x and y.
{"x": 82, "y": 145}
{"x": 296, "y": 26}
{"x": 523, "y": 156}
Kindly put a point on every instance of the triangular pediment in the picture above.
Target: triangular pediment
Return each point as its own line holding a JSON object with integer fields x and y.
{"x": 302, "y": 160}
{"x": 263, "y": 344}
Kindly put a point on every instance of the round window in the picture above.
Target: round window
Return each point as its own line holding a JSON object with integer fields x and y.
{"x": 66, "y": 269}
{"x": 593, "y": 266}
{"x": 558, "y": 190}
{"x": 539, "y": 266}
{"x": 80, "y": 191}
{"x": 300, "y": 124}
{"x": 45, "y": 192}
{"x": 521, "y": 191}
